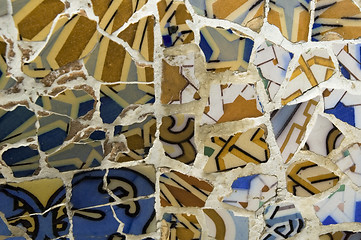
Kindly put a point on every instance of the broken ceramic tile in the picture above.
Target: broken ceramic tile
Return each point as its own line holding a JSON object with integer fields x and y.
{"x": 248, "y": 14}
{"x": 4, "y": 230}
{"x": 110, "y": 62}
{"x": 71, "y": 40}
{"x": 313, "y": 67}
{"x": 180, "y": 190}
{"x": 223, "y": 224}
{"x": 177, "y": 137}
{"x": 172, "y": 20}
{"x": 343, "y": 105}
{"x": 16, "y": 124}
{"x": 251, "y": 192}
{"x": 22, "y": 204}
{"x": 140, "y": 138}
{"x": 306, "y": 178}
{"x": 228, "y": 152}
{"x": 324, "y": 137}
{"x": 289, "y": 126}
{"x": 350, "y": 163}
{"x": 77, "y": 156}
{"x": 52, "y": 132}
{"x": 115, "y": 98}
{"x": 349, "y": 58}
{"x": 231, "y": 102}
{"x": 6, "y": 82}
{"x": 272, "y": 63}
{"x": 291, "y": 17}
{"x": 114, "y": 14}
{"x": 340, "y": 207}
{"x": 225, "y": 49}
{"x": 179, "y": 84}
{"x": 140, "y": 37}
{"x": 181, "y": 226}
{"x": 282, "y": 221}
{"x": 341, "y": 235}
{"x": 34, "y": 19}
{"x": 336, "y": 19}
{"x": 23, "y": 161}
{"x": 72, "y": 103}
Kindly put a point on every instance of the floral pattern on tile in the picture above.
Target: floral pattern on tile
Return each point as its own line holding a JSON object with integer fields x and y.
{"x": 306, "y": 178}
{"x": 341, "y": 235}
{"x": 251, "y": 192}
{"x": 225, "y": 49}
{"x": 23, "y": 161}
{"x": 177, "y": 137}
{"x": 247, "y": 13}
{"x": 72, "y": 103}
{"x": 335, "y": 19}
{"x": 180, "y": 190}
{"x": 343, "y": 105}
{"x": 282, "y": 221}
{"x": 272, "y": 63}
{"x": 313, "y": 68}
{"x": 292, "y": 17}
{"x": 289, "y": 126}
{"x": 324, "y": 137}
{"x": 34, "y": 19}
{"x": 179, "y": 84}
{"x": 349, "y": 58}
{"x": 228, "y": 152}
{"x": 24, "y": 204}
{"x": 340, "y": 207}
{"x": 117, "y": 97}
{"x": 181, "y": 226}
{"x": 350, "y": 163}
{"x": 172, "y": 20}
{"x": 223, "y": 224}
{"x": 225, "y": 100}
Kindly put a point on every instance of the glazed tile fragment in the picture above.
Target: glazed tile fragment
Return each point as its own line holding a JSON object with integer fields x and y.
{"x": 16, "y": 124}
{"x": 251, "y": 192}
{"x": 335, "y": 19}
{"x": 225, "y": 49}
{"x": 140, "y": 138}
{"x": 289, "y": 126}
{"x": 52, "y": 132}
{"x": 228, "y": 152}
{"x": 20, "y": 202}
{"x": 172, "y": 20}
{"x": 282, "y": 221}
{"x": 246, "y": 13}
{"x": 180, "y": 190}
{"x": 306, "y": 178}
{"x": 177, "y": 137}
{"x": 349, "y": 58}
{"x": 350, "y": 163}
{"x": 114, "y": 14}
{"x": 179, "y": 84}
{"x": 292, "y": 17}
{"x": 23, "y": 161}
{"x": 77, "y": 156}
{"x": 72, "y": 103}
{"x": 4, "y": 230}
{"x": 223, "y": 224}
{"x": 71, "y": 40}
{"x": 340, "y": 207}
{"x": 272, "y": 63}
{"x": 231, "y": 102}
{"x": 181, "y": 226}
{"x": 313, "y": 67}
{"x": 341, "y": 235}
{"x": 343, "y": 105}
{"x": 115, "y": 98}
{"x": 6, "y": 81}
{"x": 34, "y": 19}
{"x": 324, "y": 137}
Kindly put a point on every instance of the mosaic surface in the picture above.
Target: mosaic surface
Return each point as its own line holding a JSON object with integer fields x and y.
{"x": 180, "y": 119}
